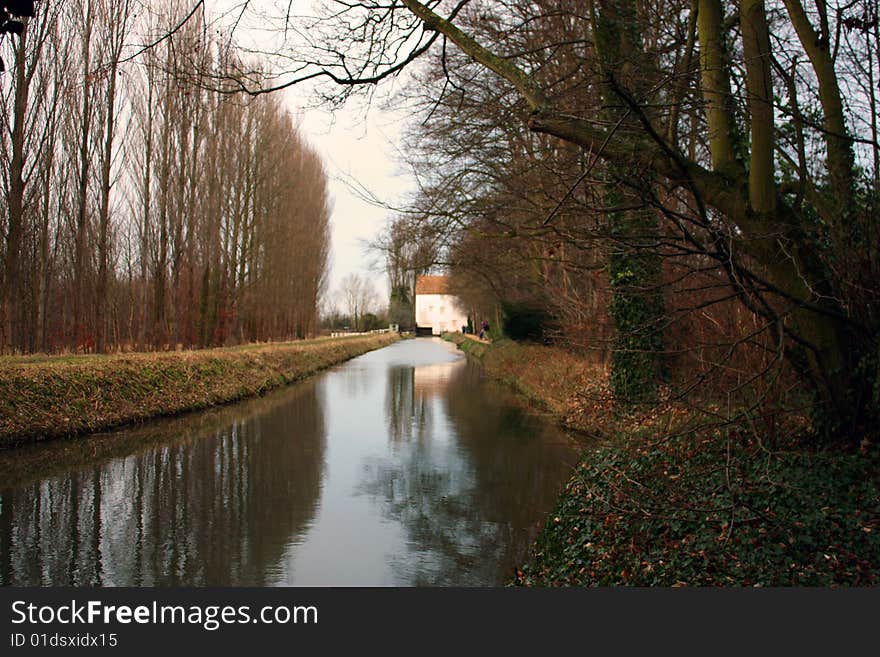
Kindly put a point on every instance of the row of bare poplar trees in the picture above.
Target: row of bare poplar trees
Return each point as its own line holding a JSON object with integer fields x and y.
{"x": 139, "y": 208}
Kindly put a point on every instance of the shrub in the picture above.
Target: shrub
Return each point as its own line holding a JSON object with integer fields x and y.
{"x": 525, "y": 321}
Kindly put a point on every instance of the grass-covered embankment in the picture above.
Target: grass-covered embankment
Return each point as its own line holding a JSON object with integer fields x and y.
{"x": 546, "y": 377}
{"x": 674, "y": 497}
{"x": 51, "y": 397}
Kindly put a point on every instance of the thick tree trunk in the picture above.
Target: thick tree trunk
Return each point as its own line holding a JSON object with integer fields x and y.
{"x": 634, "y": 268}
{"x": 756, "y": 51}
{"x": 715, "y": 78}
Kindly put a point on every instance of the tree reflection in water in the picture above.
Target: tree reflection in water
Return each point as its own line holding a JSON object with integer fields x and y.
{"x": 217, "y": 504}
{"x": 399, "y": 467}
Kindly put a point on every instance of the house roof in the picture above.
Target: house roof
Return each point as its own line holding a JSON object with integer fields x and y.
{"x": 432, "y": 285}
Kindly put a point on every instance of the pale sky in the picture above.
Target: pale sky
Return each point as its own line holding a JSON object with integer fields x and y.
{"x": 361, "y": 148}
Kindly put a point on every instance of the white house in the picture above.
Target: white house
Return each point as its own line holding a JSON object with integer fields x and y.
{"x": 436, "y": 308}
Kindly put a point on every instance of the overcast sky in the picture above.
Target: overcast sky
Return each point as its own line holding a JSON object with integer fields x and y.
{"x": 358, "y": 150}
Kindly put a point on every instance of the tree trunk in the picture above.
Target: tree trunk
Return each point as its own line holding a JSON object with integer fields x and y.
{"x": 81, "y": 226}
{"x": 104, "y": 216}
{"x": 634, "y": 265}
{"x": 15, "y": 199}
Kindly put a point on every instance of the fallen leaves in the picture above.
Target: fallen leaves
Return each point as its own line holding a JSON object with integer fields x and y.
{"x": 799, "y": 518}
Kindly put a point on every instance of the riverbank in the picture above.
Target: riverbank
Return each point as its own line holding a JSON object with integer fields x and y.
{"x": 667, "y": 498}
{"x": 53, "y": 397}
{"x": 553, "y": 380}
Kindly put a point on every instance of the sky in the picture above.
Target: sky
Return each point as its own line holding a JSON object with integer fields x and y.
{"x": 359, "y": 146}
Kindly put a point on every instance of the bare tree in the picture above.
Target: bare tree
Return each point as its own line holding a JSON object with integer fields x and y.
{"x": 177, "y": 234}
{"x": 776, "y": 224}
{"x": 359, "y": 297}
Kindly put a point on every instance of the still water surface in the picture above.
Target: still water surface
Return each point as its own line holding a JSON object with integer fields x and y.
{"x": 401, "y": 467}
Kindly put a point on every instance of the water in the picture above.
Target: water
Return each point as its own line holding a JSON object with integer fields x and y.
{"x": 401, "y": 467}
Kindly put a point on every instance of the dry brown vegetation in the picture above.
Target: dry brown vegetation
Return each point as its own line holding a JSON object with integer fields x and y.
{"x": 577, "y": 392}
{"x": 670, "y": 495}
{"x": 54, "y": 397}
{"x": 548, "y": 376}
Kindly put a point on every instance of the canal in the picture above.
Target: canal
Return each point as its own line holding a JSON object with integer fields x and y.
{"x": 402, "y": 467}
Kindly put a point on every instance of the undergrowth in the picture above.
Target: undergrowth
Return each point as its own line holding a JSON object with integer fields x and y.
{"x": 714, "y": 511}
{"x": 671, "y": 495}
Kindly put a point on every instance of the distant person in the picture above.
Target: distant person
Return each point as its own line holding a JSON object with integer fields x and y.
{"x": 484, "y": 330}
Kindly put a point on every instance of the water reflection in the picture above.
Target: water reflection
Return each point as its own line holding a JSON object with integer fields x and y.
{"x": 217, "y": 505}
{"x": 469, "y": 487}
{"x": 401, "y": 467}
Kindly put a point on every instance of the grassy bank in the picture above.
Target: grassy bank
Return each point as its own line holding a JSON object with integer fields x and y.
{"x": 546, "y": 377}
{"x": 32, "y": 462}
{"x": 44, "y": 397}
{"x": 669, "y": 498}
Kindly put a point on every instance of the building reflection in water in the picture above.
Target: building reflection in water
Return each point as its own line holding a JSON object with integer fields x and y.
{"x": 471, "y": 477}
{"x": 411, "y": 395}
